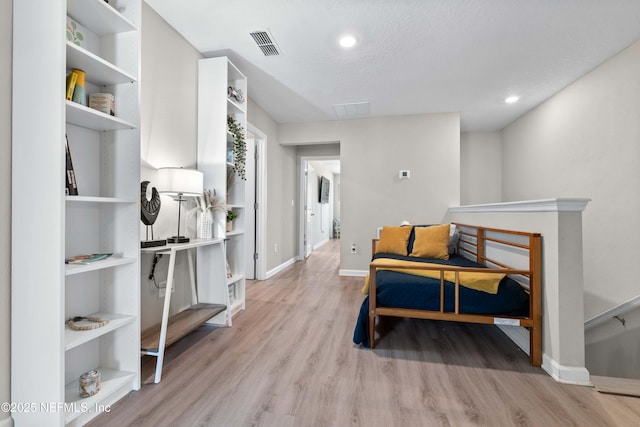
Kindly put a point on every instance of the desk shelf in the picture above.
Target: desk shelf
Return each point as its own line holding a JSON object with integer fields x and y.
{"x": 180, "y": 325}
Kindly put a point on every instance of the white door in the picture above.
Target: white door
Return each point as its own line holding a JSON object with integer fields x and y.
{"x": 250, "y": 205}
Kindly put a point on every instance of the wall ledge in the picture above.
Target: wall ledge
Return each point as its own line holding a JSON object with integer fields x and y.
{"x": 543, "y": 205}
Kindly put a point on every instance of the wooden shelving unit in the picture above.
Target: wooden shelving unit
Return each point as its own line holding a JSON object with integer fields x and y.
{"x": 103, "y": 218}
{"x": 215, "y": 76}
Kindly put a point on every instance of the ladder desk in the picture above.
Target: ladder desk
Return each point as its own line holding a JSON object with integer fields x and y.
{"x": 209, "y": 296}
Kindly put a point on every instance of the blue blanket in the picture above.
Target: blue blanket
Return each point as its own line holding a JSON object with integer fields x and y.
{"x": 400, "y": 290}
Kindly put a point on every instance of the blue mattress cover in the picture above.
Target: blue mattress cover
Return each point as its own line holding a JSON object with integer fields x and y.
{"x": 401, "y": 290}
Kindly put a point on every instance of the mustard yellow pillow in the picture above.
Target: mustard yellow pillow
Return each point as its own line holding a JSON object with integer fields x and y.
{"x": 431, "y": 242}
{"x": 393, "y": 240}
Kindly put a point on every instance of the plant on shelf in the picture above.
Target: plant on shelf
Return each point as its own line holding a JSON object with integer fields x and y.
{"x": 231, "y": 215}
{"x": 239, "y": 146}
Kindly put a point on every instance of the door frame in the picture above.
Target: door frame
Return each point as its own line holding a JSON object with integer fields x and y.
{"x": 302, "y": 220}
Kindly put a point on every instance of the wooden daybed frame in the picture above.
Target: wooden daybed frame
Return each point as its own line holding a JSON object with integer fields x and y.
{"x": 473, "y": 246}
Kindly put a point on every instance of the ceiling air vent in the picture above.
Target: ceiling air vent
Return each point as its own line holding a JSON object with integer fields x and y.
{"x": 265, "y": 43}
{"x": 351, "y": 111}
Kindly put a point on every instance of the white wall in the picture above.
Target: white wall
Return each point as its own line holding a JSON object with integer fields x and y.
{"x": 6, "y": 28}
{"x": 612, "y": 348}
{"x": 282, "y": 187}
{"x": 168, "y": 133}
{"x": 372, "y": 151}
{"x": 584, "y": 142}
{"x": 480, "y": 168}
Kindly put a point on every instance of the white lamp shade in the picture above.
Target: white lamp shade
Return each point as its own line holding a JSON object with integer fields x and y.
{"x": 175, "y": 181}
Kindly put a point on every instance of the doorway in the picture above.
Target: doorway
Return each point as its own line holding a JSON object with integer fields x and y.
{"x": 318, "y": 216}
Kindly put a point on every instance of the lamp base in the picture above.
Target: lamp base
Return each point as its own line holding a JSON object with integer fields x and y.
{"x": 177, "y": 239}
{"x": 152, "y": 243}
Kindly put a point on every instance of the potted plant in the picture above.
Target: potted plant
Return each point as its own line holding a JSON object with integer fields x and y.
{"x": 231, "y": 215}
{"x": 239, "y": 146}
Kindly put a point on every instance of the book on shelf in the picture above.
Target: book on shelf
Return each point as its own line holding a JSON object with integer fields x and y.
{"x": 79, "y": 94}
{"x": 86, "y": 259}
{"x": 72, "y": 78}
{"x": 70, "y": 176}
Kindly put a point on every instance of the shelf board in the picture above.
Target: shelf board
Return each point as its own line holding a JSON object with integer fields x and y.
{"x": 234, "y": 206}
{"x": 97, "y": 70}
{"x": 83, "y": 116}
{"x": 112, "y": 261}
{"x": 111, "y": 381}
{"x": 236, "y": 306}
{"x": 96, "y": 199}
{"x": 73, "y": 338}
{"x": 99, "y": 16}
{"x": 179, "y": 325}
{"x": 235, "y": 108}
{"x": 235, "y": 233}
{"x": 234, "y": 279}
{"x": 193, "y": 243}
{"x": 234, "y": 73}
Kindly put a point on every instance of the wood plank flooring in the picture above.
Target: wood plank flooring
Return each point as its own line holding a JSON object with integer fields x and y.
{"x": 289, "y": 360}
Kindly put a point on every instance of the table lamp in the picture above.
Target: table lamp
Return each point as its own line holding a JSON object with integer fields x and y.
{"x": 180, "y": 183}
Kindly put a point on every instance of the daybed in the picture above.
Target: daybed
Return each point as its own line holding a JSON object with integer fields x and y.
{"x": 470, "y": 279}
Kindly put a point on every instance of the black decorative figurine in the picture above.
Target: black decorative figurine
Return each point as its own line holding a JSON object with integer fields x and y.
{"x": 149, "y": 210}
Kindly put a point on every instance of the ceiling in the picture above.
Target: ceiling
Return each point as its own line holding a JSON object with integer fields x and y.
{"x": 412, "y": 56}
{"x": 332, "y": 166}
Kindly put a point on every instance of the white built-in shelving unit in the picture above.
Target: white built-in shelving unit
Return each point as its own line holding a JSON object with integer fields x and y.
{"x": 215, "y": 76}
{"x": 48, "y": 226}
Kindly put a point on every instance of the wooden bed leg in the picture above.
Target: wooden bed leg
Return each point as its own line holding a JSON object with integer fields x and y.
{"x": 372, "y": 329}
{"x": 535, "y": 346}
{"x": 535, "y": 308}
{"x": 372, "y": 307}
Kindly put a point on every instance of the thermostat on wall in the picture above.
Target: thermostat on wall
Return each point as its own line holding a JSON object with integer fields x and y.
{"x": 404, "y": 174}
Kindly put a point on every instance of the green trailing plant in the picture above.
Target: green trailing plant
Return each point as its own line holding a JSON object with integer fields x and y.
{"x": 231, "y": 215}
{"x": 239, "y": 147}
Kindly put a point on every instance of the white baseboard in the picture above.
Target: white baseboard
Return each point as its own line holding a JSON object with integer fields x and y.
{"x": 562, "y": 374}
{"x": 566, "y": 374}
{"x": 354, "y": 273}
{"x": 281, "y": 267}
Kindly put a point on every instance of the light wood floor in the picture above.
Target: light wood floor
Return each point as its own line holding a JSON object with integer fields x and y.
{"x": 289, "y": 360}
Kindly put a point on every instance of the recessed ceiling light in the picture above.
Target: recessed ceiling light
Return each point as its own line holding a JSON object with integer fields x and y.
{"x": 512, "y": 99}
{"x": 347, "y": 41}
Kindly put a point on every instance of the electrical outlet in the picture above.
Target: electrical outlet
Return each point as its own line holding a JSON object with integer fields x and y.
{"x": 275, "y": 247}
{"x": 354, "y": 249}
